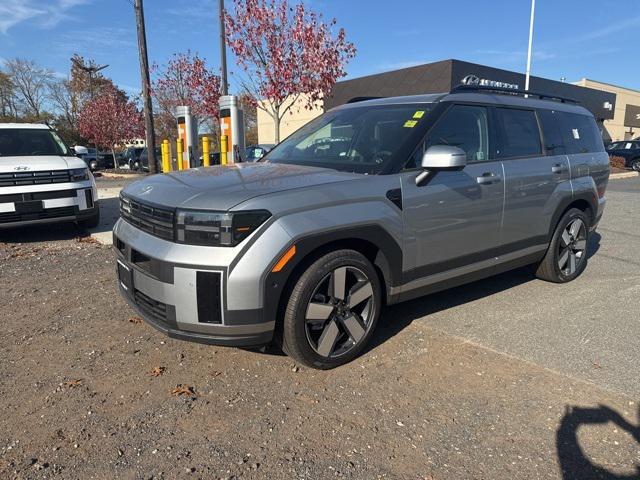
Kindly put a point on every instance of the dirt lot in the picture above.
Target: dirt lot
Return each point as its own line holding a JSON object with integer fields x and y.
{"x": 87, "y": 391}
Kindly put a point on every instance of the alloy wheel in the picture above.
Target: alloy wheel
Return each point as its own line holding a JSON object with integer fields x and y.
{"x": 636, "y": 166}
{"x": 573, "y": 247}
{"x": 340, "y": 312}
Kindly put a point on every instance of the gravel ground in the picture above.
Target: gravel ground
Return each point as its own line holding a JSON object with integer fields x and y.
{"x": 88, "y": 391}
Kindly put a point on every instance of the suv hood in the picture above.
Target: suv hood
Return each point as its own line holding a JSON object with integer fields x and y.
{"x": 221, "y": 188}
{"x": 39, "y": 163}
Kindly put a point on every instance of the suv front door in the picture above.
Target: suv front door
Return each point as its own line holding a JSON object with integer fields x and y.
{"x": 453, "y": 220}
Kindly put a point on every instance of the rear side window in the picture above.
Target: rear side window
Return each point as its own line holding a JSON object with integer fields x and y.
{"x": 520, "y": 136}
{"x": 552, "y": 132}
{"x": 580, "y": 133}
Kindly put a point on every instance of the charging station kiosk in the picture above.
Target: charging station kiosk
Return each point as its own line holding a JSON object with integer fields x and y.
{"x": 188, "y": 134}
{"x": 231, "y": 127}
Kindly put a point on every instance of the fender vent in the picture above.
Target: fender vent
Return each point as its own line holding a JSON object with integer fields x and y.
{"x": 395, "y": 196}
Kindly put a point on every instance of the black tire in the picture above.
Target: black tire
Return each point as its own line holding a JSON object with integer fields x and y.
{"x": 91, "y": 222}
{"x": 296, "y": 339}
{"x": 549, "y": 268}
{"x": 635, "y": 165}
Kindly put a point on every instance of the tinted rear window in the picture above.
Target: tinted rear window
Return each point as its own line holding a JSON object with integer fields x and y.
{"x": 570, "y": 133}
{"x": 520, "y": 134}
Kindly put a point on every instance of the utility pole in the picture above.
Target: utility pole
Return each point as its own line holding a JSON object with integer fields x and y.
{"x": 223, "y": 50}
{"x": 533, "y": 10}
{"x": 146, "y": 87}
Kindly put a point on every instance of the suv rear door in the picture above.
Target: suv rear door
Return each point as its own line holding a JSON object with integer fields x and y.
{"x": 535, "y": 182}
{"x": 453, "y": 220}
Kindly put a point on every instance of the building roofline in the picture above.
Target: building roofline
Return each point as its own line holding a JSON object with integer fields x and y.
{"x": 605, "y": 83}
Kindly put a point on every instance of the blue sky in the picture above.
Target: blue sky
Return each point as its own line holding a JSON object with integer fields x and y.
{"x": 598, "y": 39}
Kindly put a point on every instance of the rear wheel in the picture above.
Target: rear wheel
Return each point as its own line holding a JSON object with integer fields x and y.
{"x": 635, "y": 165}
{"x": 566, "y": 257}
{"x": 332, "y": 311}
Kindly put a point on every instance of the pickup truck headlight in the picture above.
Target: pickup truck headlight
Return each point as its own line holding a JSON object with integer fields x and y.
{"x": 217, "y": 228}
{"x": 79, "y": 174}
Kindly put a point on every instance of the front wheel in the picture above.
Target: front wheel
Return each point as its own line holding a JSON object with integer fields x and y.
{"x": 332, "y": 311}
{"x": 566, "y": 257}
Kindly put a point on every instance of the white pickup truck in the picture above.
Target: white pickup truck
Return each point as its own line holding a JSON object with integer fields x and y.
{"x": 41, "y": 180}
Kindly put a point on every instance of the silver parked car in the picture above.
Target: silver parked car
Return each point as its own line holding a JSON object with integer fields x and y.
{"x": 370, "y": 204}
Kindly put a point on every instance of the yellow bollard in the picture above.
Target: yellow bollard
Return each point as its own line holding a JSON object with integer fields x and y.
{"x": 224, "y": 148}
{"x": 179, "y": 150}
{"x": 166, "y": 159}
{"x": 205, "y": 151}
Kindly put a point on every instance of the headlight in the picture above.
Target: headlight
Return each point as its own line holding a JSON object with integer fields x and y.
{"x": 79, "y": 174}
{"x": 217, "y": 228}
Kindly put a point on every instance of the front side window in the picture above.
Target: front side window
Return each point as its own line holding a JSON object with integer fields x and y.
{"x": 28, "y": 142}
{"x": 520, "y": 133}
{"x": 360, "y": 139}
{"x": 465, "y": 127}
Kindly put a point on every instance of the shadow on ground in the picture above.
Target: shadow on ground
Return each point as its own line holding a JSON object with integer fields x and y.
{"x": 574, "y": 463}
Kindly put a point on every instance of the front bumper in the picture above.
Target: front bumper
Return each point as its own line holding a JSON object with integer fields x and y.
{"x": 57, "y": 203}
{"x": 204, "y": 294}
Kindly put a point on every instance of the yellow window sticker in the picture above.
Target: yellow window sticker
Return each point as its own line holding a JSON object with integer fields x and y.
{"x": 410, "y": 123}
{"x": 418, "y": 114}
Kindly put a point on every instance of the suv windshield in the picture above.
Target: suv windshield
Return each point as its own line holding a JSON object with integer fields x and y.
{"x": 23, "y": 142}
{"x": 361, "y": 139}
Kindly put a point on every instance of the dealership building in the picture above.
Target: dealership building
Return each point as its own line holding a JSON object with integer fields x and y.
{"x": 616, "y": 109}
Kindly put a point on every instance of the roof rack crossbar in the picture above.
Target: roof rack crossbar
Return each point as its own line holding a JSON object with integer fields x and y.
{"x": 512, "y": 91}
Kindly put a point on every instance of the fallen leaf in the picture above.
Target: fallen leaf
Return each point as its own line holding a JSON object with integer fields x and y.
{"x": 87, "y": 239}
{"x": 215, "y": 373}
{"x": 73, "y": 383}
{"x": 135, "y": 320}
{"x": 183, "y": 390}
{"x": 157, "y": 371}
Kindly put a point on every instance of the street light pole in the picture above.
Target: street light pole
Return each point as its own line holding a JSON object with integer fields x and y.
{"x": 533, "y": 9}
{"x": 146, "y": 87}
{"x": 223, "y": 50}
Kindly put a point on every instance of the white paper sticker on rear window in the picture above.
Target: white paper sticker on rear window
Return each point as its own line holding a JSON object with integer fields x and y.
{"x": 576, "y": 134}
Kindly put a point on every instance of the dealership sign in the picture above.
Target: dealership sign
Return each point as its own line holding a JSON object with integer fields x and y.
{"x": 632, "y": 116}
{"x": 486, "y": 82}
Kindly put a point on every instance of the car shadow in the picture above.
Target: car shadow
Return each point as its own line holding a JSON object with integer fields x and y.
{"x": 574, "y": 463}
{"x": 396, "y": 318}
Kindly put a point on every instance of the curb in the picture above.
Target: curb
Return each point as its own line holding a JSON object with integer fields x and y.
{"x": 120, "y": 175}
{"x": 616, "y": 176}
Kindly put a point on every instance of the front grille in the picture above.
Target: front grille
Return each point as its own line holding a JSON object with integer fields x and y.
{"x": 14, "y": 179}
{"x": 42, "y": 215}
{"x": 151, "y": 219}
{"x": 151, "y": 307}
{"x": 27, "y": 197}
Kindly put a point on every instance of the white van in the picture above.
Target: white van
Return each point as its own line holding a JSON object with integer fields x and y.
{"x": 41, "y": 180}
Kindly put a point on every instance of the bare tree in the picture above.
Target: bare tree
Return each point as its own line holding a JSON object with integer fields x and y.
{"x": 31, "y": 83}
{"x": 8, "y": 109}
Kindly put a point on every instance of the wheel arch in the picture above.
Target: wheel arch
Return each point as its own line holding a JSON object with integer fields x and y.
{"x": 584, "y": 202}
{"x": 372, "y": 241}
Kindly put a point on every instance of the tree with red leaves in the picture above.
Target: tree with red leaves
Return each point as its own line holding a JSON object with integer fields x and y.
{"x": 288, "y": 54}
{"x": 110, "y": 118}
{"x": 185, "y": 80}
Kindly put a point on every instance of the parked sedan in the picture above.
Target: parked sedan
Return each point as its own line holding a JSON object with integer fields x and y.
{"x": 629, "y": 150}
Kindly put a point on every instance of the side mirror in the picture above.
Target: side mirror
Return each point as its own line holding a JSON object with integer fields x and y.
{"x": 441, "y": 157}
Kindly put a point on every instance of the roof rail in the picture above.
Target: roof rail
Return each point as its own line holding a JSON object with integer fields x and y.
{"x": 362, "y": 99}
{"x": 511, "y": 91}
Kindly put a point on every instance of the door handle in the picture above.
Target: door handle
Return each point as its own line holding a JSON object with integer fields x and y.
{"x": 487, "y": 178}
{"x": 558, "y": 168}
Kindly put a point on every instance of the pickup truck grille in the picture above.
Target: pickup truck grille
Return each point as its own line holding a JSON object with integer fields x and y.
{"x": 14, "y": 179}
{"x": 153, "y": 220}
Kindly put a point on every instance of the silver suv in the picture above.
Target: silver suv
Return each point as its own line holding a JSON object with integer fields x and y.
{"x": 373, "y": 203}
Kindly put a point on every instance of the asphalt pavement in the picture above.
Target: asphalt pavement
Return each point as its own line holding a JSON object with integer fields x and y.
{"x": 588, "y": 329}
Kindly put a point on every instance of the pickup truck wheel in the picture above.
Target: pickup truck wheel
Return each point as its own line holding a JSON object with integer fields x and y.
{"x": 332, "y": 311}
{"x": 566, "y": 257}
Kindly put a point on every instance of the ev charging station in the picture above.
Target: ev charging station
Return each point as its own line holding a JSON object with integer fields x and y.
{"x": 231, "y": 128}
{"x": 188, "y": 136}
